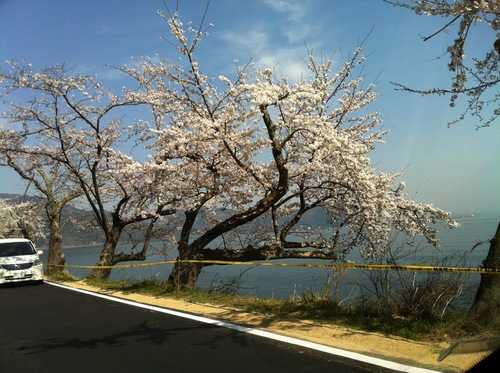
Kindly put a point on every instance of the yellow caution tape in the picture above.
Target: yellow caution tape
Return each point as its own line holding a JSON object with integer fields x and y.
{"x": 115, "y": 266}
{"x": 376, "y": 267}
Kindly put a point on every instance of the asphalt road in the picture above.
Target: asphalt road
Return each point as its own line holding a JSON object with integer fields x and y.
{"x": 45, "y": 328}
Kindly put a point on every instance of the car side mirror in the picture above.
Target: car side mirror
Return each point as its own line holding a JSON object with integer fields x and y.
{"x": 39, "y": 252}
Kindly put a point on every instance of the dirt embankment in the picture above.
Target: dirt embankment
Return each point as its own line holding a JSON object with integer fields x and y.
{"x": 387, "y": 347}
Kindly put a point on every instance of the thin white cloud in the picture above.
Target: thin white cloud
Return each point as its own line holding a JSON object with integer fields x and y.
{"x": 256, "y": 45}
{"x": 261, "y": 43}
{"x": 112, "y": 74}
{"x": 295, "y": 26}
{"x": 287, "y": 62}
{"x": 297, "y": 33}
{"x": 104, "y": 30}
{"x": 251, "y": 41}
{"x": 295, "y": 10}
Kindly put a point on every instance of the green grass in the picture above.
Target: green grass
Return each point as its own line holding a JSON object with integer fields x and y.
{"x": 61, "y": 276}
{"x": 311, "y": 306}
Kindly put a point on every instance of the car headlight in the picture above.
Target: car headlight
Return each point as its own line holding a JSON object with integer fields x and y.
{"x": 37, "y": 262}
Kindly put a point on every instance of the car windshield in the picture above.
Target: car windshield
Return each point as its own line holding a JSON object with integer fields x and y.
{"x": 16, "y": 248}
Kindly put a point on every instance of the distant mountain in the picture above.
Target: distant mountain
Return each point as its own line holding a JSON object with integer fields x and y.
{"x": 74, "y": 235}
{"x": 71, "y": 231}
{"x": 315, "y": 218}
{"x": 18, "y": 198}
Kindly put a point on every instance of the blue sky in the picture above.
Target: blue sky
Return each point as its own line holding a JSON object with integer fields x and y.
{"x": 457, "y": 168}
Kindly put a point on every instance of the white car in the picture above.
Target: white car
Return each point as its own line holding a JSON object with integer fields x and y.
{"x": 20, "y": 261}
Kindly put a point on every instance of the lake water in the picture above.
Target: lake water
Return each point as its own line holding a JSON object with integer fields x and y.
{"x": 284, "y": 282}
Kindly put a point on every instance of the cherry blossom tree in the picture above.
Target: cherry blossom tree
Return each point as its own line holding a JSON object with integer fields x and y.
{"x": 475, "y": 80}
{"x": 23, "y": 219}
{"x": 46, "y": 176}
{"x": 66, "y": 119}
{"x": 260, "y": 149}
{"x": 225, "y": 154}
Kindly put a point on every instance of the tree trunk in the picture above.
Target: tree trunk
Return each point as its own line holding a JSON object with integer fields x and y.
{"x": 186, "y": 277}
{"x": 56, "y": 259}
{"x": 484, "y": 315}
{"x": 107, "y": 256}
{"x": 105, "y": 259}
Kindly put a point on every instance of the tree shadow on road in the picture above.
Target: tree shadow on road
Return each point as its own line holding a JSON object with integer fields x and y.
{"x": 143, "y": 333}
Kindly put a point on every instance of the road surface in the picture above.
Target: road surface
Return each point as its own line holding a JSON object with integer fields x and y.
{"x": 47, "y": 328}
